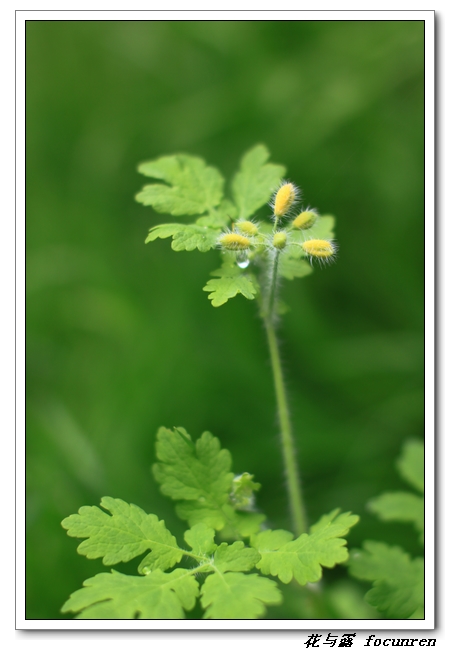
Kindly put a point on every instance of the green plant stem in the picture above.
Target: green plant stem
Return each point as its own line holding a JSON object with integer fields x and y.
{"x": 273, "y": 288}
{"x": 287, "y": 439}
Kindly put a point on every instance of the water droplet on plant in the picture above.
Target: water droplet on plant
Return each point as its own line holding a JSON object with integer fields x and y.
{"x": 243, "y": 263}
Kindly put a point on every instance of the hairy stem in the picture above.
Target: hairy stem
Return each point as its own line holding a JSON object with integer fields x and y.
{"x": 287, "y": 440}
{"x": 273, "y": 288}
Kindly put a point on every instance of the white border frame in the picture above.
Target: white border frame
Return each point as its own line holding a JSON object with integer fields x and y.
{"x": 352, "y": 625}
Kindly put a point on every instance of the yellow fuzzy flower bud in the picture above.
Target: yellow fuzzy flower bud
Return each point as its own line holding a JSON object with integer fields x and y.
{"x": 279, "y": 240}
{"x": 304, "y": 220}
{"x": 284, "y": 199}
{"x": 321, "y": 248}
{"x": 232, "y": 241}
{"x": 247, "y": 228}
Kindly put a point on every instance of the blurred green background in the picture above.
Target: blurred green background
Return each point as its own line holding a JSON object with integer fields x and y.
{"x": 120, "y": 336}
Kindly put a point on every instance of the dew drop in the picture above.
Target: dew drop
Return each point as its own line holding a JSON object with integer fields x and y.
{"x": 243, "y": 263}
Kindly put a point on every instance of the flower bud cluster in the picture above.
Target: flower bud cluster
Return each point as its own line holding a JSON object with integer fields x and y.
{"x": 246, "y": 239}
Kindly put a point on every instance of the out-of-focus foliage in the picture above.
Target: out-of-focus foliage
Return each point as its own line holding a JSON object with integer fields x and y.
{"x": 398, "y": 580}
{"x": 120, "y": 336}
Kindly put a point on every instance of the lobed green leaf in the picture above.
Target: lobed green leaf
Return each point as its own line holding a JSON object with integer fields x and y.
{"x": 231, "y": 281}
{"x": 236, "y": 557}
{"x": 238, "y": 596}
{"x": 232, "y": 523}
{"x": 199, "y": 475}
{"x": 220, "y": 217}
{"x": 186, "y": 237}
{"x": 124, "y": 534}
{"x": 411, "y": 464}
{"x": 163, "y": 231}
{"x": 323, "y": 228}
{"x": 400, "y": 506}
{"x": 291, "y": 267}
{"x": 398, "y": 581}
{"x": 118, "y": 596}
{"x": 191, "y": 187}
{"x": 304, "y": 557}
{"x": 201, "y": 539}
{"x": 255, "y": 181}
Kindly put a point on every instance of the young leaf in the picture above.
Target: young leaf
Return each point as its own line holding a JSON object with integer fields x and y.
{"x": 304, "y": 557}
{"x": 186, "y": 237}
{"x": 235, "y": 557}
{"x": 238, "y": 596}
{"x": 201, "y": 539}
{"x": 229, "y": 283}
{"x": 123, "y": 535}
{"x": 398, "y": 588}
{"x": 188, "y": 470}
{"x": 191, "y": 187}
{"x": 411, "y": 464}
{"x": 117, "y": 596}
{"x": 400, "y": 506}
{"x": 255, "y": 181}
{"x": 198, "y": 475}
{"x": 242, "y": 494}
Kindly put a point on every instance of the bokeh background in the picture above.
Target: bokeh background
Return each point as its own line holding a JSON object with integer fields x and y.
{"x": 120, "y": 336}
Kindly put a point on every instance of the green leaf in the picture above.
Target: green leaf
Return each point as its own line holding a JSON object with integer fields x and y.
{"x": 186, "y": 237}
{"x": 323, "y": 228}
{"x": 225, "y": 518}
{"x": 400, "y": 506}
{"x": 195, "y": 512}
{"x": 255, "y": 181}
{"x": 398, "y": 587}
{"x": 291, "y": 268}
{"x": 117, "y": 596}
{"x": 191, "y": 187}
{"x": 240, "y": 523}
{"x": 164, "y": 230}
{"x": 304, "y": 557}
{"x": 411, "y": 464}
{"x": 238, "y": 596}
{"x": 123, "y": 535}
{"x": 236, "y": 557}
{"x": 229, "y": 283}
{"x": 198, "y": 475}
{"x": 346, "y": 600}
{"x": 201, "y": 539}
{"x": 195, "y": 236}
{"x": 220, "y": 217}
